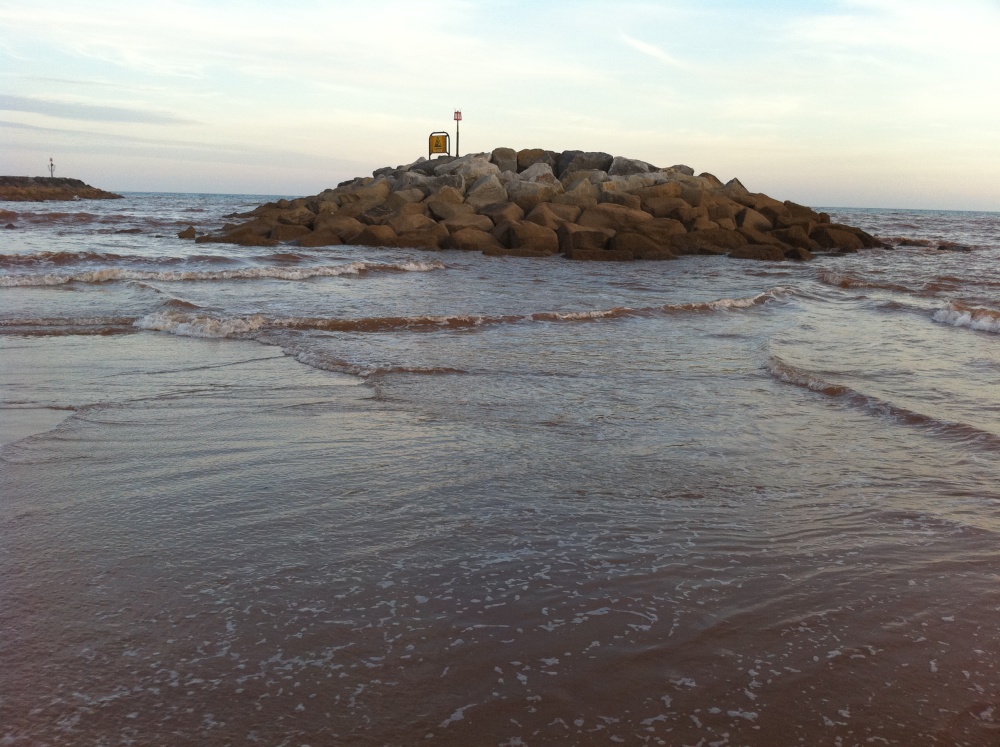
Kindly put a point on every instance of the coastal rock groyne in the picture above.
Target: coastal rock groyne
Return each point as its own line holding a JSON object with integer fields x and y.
{"x": 44, "y": 188}
{"x": 538, "y": 203}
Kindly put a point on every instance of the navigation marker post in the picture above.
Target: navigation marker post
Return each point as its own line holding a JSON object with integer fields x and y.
{"x": 52, "y": 167}
{"x": 458, "y": 118}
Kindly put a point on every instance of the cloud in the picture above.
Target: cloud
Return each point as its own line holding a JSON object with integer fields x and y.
{"x": 653, "y": 51}
{"x": 87, "y": 112}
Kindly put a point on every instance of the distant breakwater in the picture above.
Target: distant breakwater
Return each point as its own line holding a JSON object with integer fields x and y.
{"x": 539, "y": 203}
{"x": 46, "y": 188}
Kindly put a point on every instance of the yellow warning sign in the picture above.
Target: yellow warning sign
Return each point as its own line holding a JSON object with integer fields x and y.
{"x": 438, "y": 144}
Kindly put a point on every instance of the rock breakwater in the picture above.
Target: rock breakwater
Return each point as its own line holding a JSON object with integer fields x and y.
{"x": 539, "y": 203}
{"x": 44, "y": 188}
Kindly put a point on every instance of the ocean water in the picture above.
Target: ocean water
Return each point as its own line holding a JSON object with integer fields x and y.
{"x": 356, "y": 496}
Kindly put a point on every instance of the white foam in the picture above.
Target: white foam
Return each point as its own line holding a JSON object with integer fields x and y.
{"x": 192, "y": 325}
{"x": 983, "y": 320}
{"x": 111, "y": 274}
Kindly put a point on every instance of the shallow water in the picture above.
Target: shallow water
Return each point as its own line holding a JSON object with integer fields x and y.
{"x": 367, "y": 496}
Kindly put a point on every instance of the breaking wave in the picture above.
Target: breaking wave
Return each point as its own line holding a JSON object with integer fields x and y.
{"x": 960, "y": 432}
{"x": 958, "y": 315}
{"x": 180, "y": 322}
{"x": 849, "y": 280}
{"x": 113, "y": 274}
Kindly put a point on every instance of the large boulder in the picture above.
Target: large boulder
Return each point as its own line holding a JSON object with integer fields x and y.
{"x": 375, "y": 236}
{"x": 552, "y": 215}
{"x": 621, "y": 166}
{"x": 485, "y": 191}
{"x": 660, "y": 230}
{"x": 834, "y": 238}
{"x": 357, "y": 208}
{"x": 594, "y": 176}
{"x": 472, "y": 240}
{"x": 467, "y": 220}
{"x": 286, "y": 232}
{"x": 527, "y": 236}
{"x": 620, "y": 198}
{"x": 476, "y": 169}
{"x": 530, "y": 156}
{"x": 752, "y": 220}
{"x": 529, "y": 194}
{"x": 615, "y": 217}
{"x": 538, "y": 172}
{"x": 501, "y": 211}
{"x": 403, "y": 223}
{"x": 578, "y": 160}
{"x": 573, "y": 237}
{"x": 639, "y": 246}
{"x": 442, "y": 210}
{"x": 431, "y": 237}
{"x": 299, "y": 216}
{"x": 342, "y": 226}
{"x": 505, "y": 159}
{"x": 583, "y": 194}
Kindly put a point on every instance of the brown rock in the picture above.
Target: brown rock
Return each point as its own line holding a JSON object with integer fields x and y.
{"x": 641, "y": 247}
{"x": 526, "y": 235}
{"x": 582, "y": 194}
{"x": 298, "y": 216}
{"x": 404, "y": 223}
{"x": 486, "y": 191}
{"x": 529, "y": 194}
{"x": 344, "y": 227}
{"x": 758, "y": 251}
{"x": 472, "y": 240}
{"x": 530, "y": 156}
{"x": 432, "y": 237}
{"x": 574, "y": 237}
{"x": 620, "y": 198}
{"x": 376, "y": 235}
{"x": 187, "y": 233}
{"x": 285, "y": 232}
{"x": 445, "y": 210}
{"x": 660, "y": 230}
{"x": 377, "y": 215}
{"x": 501, "y": 211}
{"x": 702, "y": 223}
{"x": 504, "y": 158}
{"x": 795, "y": 236}
{"x": 552, "y": 215}
{"x": 664, "y": 207}
{"x": 615, "y": 217}
{"x": 660, "y": 191}
{"x": 358, "y": 208}
{"x": 751, "y": 220}
{"x": 836, "y": 239}
{"x": 320, "y": 238}
{"x": 467, "y": 220}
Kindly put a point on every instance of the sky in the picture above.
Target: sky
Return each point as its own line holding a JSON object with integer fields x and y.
{"x": 849, "y": 103}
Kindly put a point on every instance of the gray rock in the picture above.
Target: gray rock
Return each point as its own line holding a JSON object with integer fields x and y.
{"x": 578, "y": 160}
{"x": 539, "y": 172}
{"x": 485, "y": 191}
{"x": 621, "y": 166}
{"x": 505, "y": 159}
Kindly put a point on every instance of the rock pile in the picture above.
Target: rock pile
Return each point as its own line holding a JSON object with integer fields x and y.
{"x": 43, "y": 188}
{"x": 537, "y": 203}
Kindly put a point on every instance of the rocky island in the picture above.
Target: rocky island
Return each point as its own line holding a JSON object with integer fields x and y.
{"x": 539, "y": 203}
{"x": 44, "y": 188}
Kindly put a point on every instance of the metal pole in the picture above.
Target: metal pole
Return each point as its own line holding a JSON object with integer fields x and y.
{"x": 457, "y": 123}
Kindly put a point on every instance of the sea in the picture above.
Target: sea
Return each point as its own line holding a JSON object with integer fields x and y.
{"x": 358, "y": 496}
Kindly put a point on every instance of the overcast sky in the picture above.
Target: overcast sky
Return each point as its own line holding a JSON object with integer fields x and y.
{"x": 872, "y": 103}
